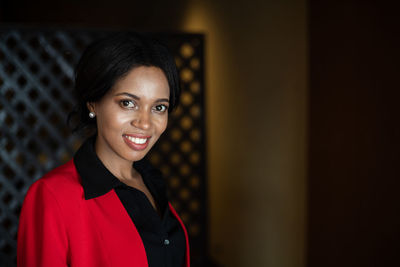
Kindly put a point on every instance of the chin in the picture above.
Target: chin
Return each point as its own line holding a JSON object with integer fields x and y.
{"x": 136, "y": 156}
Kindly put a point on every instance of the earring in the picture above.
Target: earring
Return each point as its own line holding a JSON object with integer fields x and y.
{"x": 92, "y": 115}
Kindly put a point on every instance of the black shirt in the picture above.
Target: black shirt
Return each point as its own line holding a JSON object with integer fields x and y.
{"x": 162, "y": 235}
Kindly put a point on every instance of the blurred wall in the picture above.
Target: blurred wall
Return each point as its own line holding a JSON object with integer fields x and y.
{"x": 256, "y": 101}
{"x": 256, "y": 114}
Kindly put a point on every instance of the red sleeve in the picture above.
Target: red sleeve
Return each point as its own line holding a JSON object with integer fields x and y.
{"x": 42, "y": 237}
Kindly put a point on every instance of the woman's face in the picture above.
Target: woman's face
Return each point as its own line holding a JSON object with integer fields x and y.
{"x": 132, "y": 115}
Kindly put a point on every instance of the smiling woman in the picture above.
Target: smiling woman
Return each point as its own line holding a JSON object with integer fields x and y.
{"x": 108, "y": 205}
{"x": 130, "y": 118}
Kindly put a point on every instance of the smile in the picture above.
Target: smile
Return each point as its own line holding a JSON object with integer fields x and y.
{"x": 135, "y": 142}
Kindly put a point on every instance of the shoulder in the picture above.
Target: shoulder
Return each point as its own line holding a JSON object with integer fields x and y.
{"x": 65, "y": 174}
{"x": 62, "y": 182}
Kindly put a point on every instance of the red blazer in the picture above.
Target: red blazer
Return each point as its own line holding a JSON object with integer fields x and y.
{"x": 58, "y": 227}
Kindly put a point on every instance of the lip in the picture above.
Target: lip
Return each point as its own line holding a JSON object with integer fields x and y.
{"x": 134, "y": 146}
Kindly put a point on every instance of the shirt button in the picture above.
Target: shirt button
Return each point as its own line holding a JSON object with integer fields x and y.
{"x": 166, "y": 242}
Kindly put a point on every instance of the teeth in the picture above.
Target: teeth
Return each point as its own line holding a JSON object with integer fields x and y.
{"x": 136, "y": 140}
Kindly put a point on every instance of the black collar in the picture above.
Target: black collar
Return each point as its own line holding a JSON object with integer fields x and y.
{"x": 97, "y": 180}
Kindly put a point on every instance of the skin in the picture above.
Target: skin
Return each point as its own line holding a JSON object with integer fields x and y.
{"x": 136, "y": 106}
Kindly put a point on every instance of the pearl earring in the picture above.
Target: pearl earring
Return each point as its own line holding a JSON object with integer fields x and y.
{"x": 91, "y": 115}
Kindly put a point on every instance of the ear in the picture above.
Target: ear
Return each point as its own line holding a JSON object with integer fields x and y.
{"x": 90, "y": 107}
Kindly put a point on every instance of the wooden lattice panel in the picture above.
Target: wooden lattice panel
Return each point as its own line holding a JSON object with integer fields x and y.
{"x": 36, "y": 80}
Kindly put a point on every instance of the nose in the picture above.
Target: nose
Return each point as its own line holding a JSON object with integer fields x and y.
{"x": 142, "y": 120}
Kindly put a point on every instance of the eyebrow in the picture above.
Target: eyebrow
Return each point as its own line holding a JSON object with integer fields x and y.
{"x": 138, "y": 98}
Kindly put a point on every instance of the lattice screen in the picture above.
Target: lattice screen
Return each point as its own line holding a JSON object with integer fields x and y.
{"x": 36, "y": 82}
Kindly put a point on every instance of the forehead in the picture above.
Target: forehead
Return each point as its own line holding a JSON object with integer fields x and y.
{"x": 143, "y": 81}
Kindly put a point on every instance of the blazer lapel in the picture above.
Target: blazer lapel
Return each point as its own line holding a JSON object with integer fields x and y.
{"x": 120, "y": 237}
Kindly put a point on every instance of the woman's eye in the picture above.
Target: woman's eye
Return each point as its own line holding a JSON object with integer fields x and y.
{"x": 127, "y": 103}
{"x": 161, "y": 108}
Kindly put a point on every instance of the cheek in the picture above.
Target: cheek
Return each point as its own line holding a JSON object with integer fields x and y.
{"x": 110, "y": 121}
{"x": 162, "y": 125}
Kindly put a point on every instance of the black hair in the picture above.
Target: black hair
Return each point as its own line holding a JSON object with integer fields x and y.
{"x": 107, "y": 60}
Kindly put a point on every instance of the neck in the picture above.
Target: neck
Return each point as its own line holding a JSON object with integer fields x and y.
{"x": 119, "y": 167}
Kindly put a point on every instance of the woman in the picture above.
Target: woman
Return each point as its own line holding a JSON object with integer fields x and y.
{"x": 108, "y": 205}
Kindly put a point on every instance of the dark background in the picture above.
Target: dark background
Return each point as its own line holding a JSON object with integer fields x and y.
{"x": 354, "y": 174}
